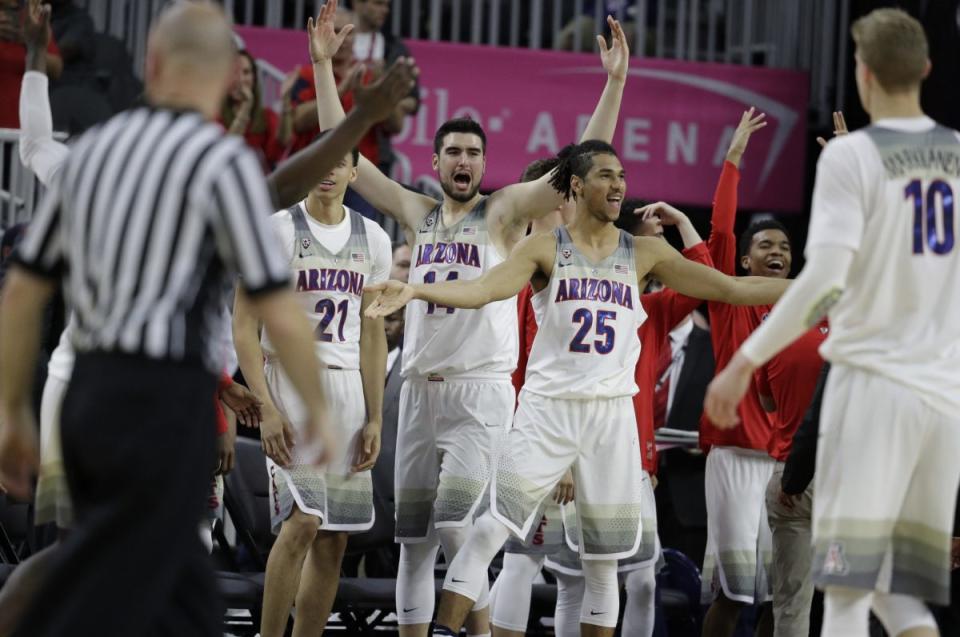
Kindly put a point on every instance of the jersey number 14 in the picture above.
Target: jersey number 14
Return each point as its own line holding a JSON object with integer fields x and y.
{"x": 925, "y": 225}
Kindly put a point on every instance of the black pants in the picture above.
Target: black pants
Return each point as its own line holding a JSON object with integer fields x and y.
{"x": 138, "y": 445}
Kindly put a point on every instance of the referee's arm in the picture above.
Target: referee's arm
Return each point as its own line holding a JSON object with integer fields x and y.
{"x": 247, "y": 243}
{"x": 31, "y": 282}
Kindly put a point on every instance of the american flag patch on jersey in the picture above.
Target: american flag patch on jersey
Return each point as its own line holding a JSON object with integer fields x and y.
{"x": 469, "y": 231}
{"x": 620, "y": 268}
{"x": 356, "y": 256}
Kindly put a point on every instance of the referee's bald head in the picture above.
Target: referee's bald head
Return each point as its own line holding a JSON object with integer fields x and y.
{"x": 191, "y": 43}
{"x": 195, "y": 36}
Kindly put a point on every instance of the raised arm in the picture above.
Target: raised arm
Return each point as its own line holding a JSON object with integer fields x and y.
{"x": 515, "y": 206}
{"x": 502, "y": 282}
{"x": 384, "y": 194}
{"x": 38, "y": 150}
{"x": 699, "y": 281}
{"x": 294, "y": 178}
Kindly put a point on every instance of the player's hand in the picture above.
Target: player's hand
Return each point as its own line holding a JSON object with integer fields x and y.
{"x": 839, "y": 128}
{"x": 244, "y": 403}
{"x": 325, "y": 41}
{"x": 393, "y": 296}
{"x": 19, "y": 451}
{"x": 749, "y": 124}
{"x": 786, "y": 500}
{"x": 276, "y": 436}
{"x": 226, "y": 449}
{"x": 669, "y": 216}
{"x": 368, "y": 447}
{"x": 564, "y": 493}
{"x": 616, "y": 58}
{"x": 378, "y": 99}
{"x": 726, "y": 391}
{"x": 36, "y": 26}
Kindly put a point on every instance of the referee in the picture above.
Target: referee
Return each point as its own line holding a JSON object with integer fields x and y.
{"x": 152, "y": 213}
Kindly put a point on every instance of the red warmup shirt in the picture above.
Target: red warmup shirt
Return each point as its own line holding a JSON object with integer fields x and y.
{"x": 13, "y": 64}
{"x": 790, "y": 378}
{"x": 527, "y": 323}
{"x": 665, "y": 309}
{"x": 305, "y": 91}
{"x": 730, "y": 325}
{"x": 265, "y": 143}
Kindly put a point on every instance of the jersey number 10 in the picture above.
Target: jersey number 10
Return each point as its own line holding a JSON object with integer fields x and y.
{"x": 937, "y": 189}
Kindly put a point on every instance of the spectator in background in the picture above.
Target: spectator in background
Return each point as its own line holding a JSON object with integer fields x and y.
{"x": 400, "y": 270}
{"x": 377, "y": 49}
{"x": 73, "y": 29}
{"x": 245, "y": 114}
{"x": 12, "y": 66}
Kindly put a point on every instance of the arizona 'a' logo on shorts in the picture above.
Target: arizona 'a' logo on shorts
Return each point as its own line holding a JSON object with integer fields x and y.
{"x": 834, "y": 562}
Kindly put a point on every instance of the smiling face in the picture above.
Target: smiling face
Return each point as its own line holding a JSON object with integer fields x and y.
{"x": 769, "y": 254}
{"x": 334, "y": 185}
{"x": 245, "y": 77}
{"x": 601, "y": 191}
{"x": 460, "y": 165}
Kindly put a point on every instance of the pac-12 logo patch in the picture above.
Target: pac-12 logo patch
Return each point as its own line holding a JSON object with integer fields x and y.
{"x": 305, "y": 242}
{"x": 428, "y": 221}
{"x": 566, "y": 252}
{"x": 824, "y": 329}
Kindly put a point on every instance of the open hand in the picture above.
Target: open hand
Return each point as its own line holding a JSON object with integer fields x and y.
{"x": 839, "y": 128}
{"x": 368, "y": 447}
{"x": 749, "y": 124}
{"x": 276, "y": 436}
{"x": 669, "y": 216}
{"x": 565, "y": 492}
{"x": 616, "y": 58}
{"x": 325, "y": 41}
{"x": 393, "y": 296}
{"x": 244, "y": 403}
{"x": 380, "y": 98}
{"x": 36, "y": 26}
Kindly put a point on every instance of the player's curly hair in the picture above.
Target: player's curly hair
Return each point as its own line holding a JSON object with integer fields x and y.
{"x": 577, "y": 159}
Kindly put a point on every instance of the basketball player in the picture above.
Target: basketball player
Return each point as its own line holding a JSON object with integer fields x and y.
{"x": 738, "y": 467}
{"x": 881, "y": 260}
{"x": 457, "y": 398}
{"x": 333, "y": 251}
{"x": 587, "y": 278}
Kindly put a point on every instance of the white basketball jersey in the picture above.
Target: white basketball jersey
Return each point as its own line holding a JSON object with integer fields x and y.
{"x": 889, "y": 192}
{"x": 329, "y": 288}
{"x": 587, "y": 344}
{"x": 445, "y": 341}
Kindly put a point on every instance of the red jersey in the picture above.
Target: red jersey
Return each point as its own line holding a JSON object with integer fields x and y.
{"x": 665, "y": 309}
{"x": 527, "y": 322}
{"x": 790, "y": 378}
{"x": 304, "y": 91}
{"x": 13, "y": 64}
{"x": 730, "y": 325}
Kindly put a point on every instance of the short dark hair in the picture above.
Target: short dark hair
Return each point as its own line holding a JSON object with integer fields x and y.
{"x": 746, "y": 237}
{"x": 628, "y": 221}
{"x": 354, "y": 152}
{"x": 538, "y": 168}
{"x": 894, "y": 47}
{"x": 459, "y": 125}
{"x": 577, "y": 159}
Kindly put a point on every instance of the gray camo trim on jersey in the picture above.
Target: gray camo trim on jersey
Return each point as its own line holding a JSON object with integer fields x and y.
{"x": 853, "y": 553}
{"x": 307, "y": 245}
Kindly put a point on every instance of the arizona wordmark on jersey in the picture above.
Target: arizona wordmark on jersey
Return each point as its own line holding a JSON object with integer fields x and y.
{"x": 329, "y": 287}
{"x": 445, "y": 341}
{"x": 587, "y": 344}
{"x": 888, "y": 192}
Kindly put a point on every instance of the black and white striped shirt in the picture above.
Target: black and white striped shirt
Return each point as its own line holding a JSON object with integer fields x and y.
{"x": 152, "y": 213}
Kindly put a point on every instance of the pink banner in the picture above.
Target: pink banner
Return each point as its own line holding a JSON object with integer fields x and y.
{"x": 676, "y": 120}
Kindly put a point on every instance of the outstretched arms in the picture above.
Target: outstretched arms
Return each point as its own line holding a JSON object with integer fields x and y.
{"x": 502, "y": 282}
{"x": 699, "y": 281}
{"x": 384, "y": 194}
{"x": 291, "y": 182}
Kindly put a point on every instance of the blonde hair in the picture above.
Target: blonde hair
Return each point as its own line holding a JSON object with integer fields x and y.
{"x": 892, "y": 44}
